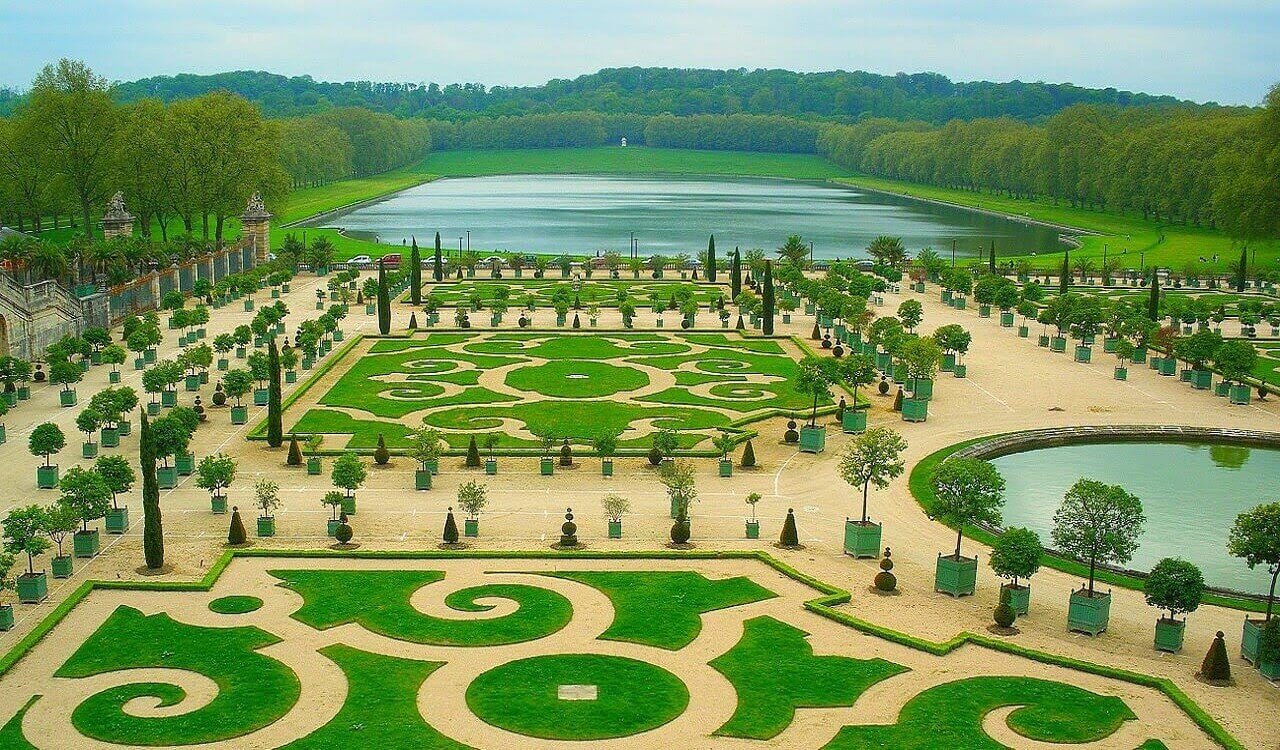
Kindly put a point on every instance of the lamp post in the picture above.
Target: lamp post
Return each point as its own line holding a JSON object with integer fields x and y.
{"x": 468, "y": 240}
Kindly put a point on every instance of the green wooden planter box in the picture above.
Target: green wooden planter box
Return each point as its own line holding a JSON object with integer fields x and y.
{"x": 192, "y": 382}
{"x": 6, "y": 617}
{"x": 955, "y": 577}
{"x": 491, "y": 466}
{"x": 1121, "y": 373}
{"x": 167, "y": 477}
{"x": 884, "y": 361}
{"x": 946, "y": 296}
{"x": 922, "y": 388}
{"x": 313, "y": 466}
{"x": 67, "y": 398}
{"x": 117, "y": 520}
{"x": 125, "y": 428}
{"x": 1109, "y": 344}
{"x": 1154, "y": 362}
{"x": 1169, "y": 635}
{"x": 1201, "y": 380}
{"x": 1251, "y": 640}
{"x": 984, "y": 311}
{"x": 185, "y": 464}
{"x": 959, "y": 303}
{"x": 63, "y": 566}
{"x": 113, "y": 377}
{"x": 110, "y": 437}
{"x": 333, "y": 525}
{"x": 948, "y": 362}
{"x": 1057, "y": 344}
{"x": 349, "y": 505}
{"x": 862, "y": 540}
{"x": 24, "y": 394}
{"x": 546, "y": 467}
{"x": 471, "y": 527}
{"x": 1168, "y": 366}
{"x": 422, "y": 479}
{"x": 218, "y": 505}
{"x": 168, "y": 399}
{"x": 1088, "y": 614}
{"x": 239, "y": 414}
{"x": 1006, "y": 320}
{"x": 1024, "y": 332}
{"x": 1240, "y": 395}
{"x": 915, "y": 410}
{"x": 615, "y": 529}
{"x": 86, "y": 543}
{"x": 33, "y": 588}
{"x": 1222, "y": 388}
{"x": 1139, "y": 355}
{"x": 290, "y": 376}
{"x": 1019, "y": 598}
{"x": 47, "y": 477}
{"x": 150, "y": 356}
{"x": 813, "y": 438}
{"x": 753, "y": 529}
{"x": 433, "y": 466}
{"x": 854, "y": 421}
{"x": 606, "y": 467}
{"x": 248, "y": 305}
{"x": 1042, "y": 340}
{"x": 89, "y": 450}
{"x": 726, "y": 468}
{"x": 266, "y": 526}
{"x": 261, "y": 396}
{"x": 1084, "y": 353}
{"x": 1270, "y": 669}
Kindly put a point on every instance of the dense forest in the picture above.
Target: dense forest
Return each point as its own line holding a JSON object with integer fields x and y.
{"x": 837, "y": 95}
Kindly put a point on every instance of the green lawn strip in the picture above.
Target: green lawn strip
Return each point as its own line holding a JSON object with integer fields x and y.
{"x": 951, "y": 715}
{"x": 235, "y": 605}
{"x": 629, "y": 160}
{"x": 921, "y": 487}
{"x": 774, "y": 672}
{"x": 605, "y": 293}
{"x": 1153, "y": 745}
{"x": 11, "y": 736}
{"x": 378, "y": 600}
{"x": 632, "y": 697}
{"x": 824, "y": 605}
{"x": 254, "y": 691}
{"x": 1173, "y": 246}
{"x": 580, "y": 421}
{"x": 664, "y": 608}
{"x": 381, "y": 708}
{"x": 308, "y": 201}
{"x": 576, "y": 379}
{"x": 577, "y": 346}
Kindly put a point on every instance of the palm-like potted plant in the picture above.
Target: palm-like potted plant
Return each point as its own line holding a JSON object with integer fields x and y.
{"x": 24, "y": 534}
{"x": 1097, "y": 523}
{"x": 216, "y": 473}
{"x": 546, "y": 463}
{"x": 472, "y": 498}
{"x": 1016, "y": 556}
{"x": 266, "y": 495}
{"x": 873, "y": 458}
{"x": 45, "y": 440}
{"x": 349, "y": 473}
{"x": 615, "y": 507}
{"x": 1175, "y": 586}
{"x": 753, "y": 526}
{"x": 967, "y": 491}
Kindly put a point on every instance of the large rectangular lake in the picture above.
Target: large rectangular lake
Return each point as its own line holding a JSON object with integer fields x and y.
{"x": 583, "y": 214}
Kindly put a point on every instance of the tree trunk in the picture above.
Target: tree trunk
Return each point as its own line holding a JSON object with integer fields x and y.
{"x": 1271, "y": 596}
{"x": 1093, "y": 564}
{"x": 866, "y": 487}
{"x": 959, "y": 537}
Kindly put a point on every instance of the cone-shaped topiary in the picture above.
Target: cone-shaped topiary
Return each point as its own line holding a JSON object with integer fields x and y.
{"x": 790, "y": 537}
{"x": 577, "y": 322}
{"x": 473, "y": 454}
{"x": 1216, "y": 667}
{"x": 897, "y": 400}
{"x": 566, "y": 454}
{"x": 343, "y": 533}
{"x": 295, "y": 453}
{"x": 655, "y": 456}
{"x": 817, "y": 332}
{"x": 236, "y": 534}
{"x": 380, "y": 454}
{"x": 1004, "y": 614}
{"x": 885, "y": 579}
{"x": 740, "y": 326}
{"x": 748, "y": 456}
{"x": 450, "y": 529}
{"x": 413, "y": 321}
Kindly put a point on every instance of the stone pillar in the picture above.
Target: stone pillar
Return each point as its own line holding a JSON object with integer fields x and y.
{"x": 117, "y": 222}
{"x": 255, "y": 229}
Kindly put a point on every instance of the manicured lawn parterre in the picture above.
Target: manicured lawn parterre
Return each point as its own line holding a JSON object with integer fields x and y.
{"x": 569, "y": 692}
{"x": 573, "y": 386}
{"x": 235, "y": 605}
{"x": 599, "y": 291}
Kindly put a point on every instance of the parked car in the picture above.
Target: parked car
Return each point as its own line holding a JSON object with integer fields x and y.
{"x": 391, "y": 259}
{"x": 361, "y": 260}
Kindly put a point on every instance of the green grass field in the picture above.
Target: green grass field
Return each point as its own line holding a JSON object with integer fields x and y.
{"x": 630, "y": 160}
{"x": 1145, "y": 241}
{"x": 599, "y": 291}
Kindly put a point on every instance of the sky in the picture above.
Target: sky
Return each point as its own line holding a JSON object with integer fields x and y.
{"x": 1206, "y": 50}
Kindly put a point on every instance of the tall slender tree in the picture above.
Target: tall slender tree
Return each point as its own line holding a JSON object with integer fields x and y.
{"x": 991, "y": 257}
{"x": 437, "y": 270}
{"x": 415, "y": 275}
{"x": 735, "y": 274}
{"x": 767, "y": 299}
{"x": 711, "y": 259}
{"x": 384, "y": 299}
{"x": 1153, "y": 302}
{"x": 1243, "y": 270}
{"x": 1064, "y": 276}
{"x": 275, "y": 414}
{"x": 152, "y": 528}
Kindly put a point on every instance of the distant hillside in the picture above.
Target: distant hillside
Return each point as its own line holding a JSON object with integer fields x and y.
{"x": 838, "y": 95}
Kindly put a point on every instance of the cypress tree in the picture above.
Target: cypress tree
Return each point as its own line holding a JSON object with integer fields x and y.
{"x": 1064, "y": 277}
{"x": 991, "y": 257}
{"x": 415, "y": 274}
{"x": 790, "y": 537}
{"x": 1244, "y": 267}
{"x": 384, "y": 300}
{"x": 1153, "y": 302}
{"x": 473, "y": 454}
{"x": 295, "y": 453}
{"x": 711, "y": 259}
{"x": 735, "y": 275}
{"x": 767, "y": 325}
{"x": 437, "y": 271}
{"x": 275, "y": 414}
{"x": 152, "y": 529}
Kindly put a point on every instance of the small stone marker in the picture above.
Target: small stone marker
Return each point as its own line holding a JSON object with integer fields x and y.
{"x": 576, "y": 692}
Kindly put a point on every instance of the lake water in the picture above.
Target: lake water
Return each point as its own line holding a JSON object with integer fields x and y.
{"x": 1191, "y": 495}
{"x": 583, "y": 214}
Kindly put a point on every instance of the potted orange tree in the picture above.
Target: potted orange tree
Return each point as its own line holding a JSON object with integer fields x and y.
{"x": 1175, "y": 586}
{"x": 1096, "y": 523}
{"x": 873, "y": 458}
{"x": 1255, "y": 537}
{"x": 1016, "y": 556}
{"x": 966, "y": 491}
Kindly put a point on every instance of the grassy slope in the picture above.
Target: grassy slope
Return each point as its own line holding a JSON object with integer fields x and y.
{"x": 1172, "y": 246}
{"x": 631, "y": 160}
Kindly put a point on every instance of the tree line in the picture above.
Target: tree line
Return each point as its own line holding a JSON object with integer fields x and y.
{"x": 1214, "y": 168}
{"x": 840, "y": 95}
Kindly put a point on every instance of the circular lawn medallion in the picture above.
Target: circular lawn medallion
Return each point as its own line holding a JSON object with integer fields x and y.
{"x": 577, "y": 696}
{"x": 235, "y": 605}
{"x": 584, "y": 379}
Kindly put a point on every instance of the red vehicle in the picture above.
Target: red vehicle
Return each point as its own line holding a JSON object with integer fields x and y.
{"x": 391, "y": 259}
